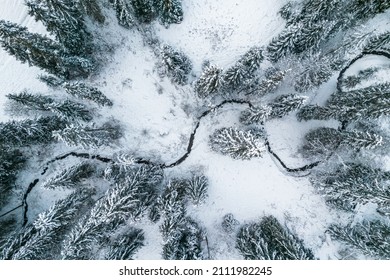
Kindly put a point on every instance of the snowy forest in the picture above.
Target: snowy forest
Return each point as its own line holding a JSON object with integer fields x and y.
{"x": 194, "y": 129}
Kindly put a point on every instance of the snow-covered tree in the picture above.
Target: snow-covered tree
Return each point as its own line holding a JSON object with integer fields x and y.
{"x": 321, "y": 141}
{"x": 172, "y": 201}
{"x": 285, "y": 104}
{"x": 144, "y": 10}
{"x": 70, "y": 177}
{"x": 196, "y": 189}
{"x": 237, "y": 143}
{"x": 372, "y": 238}
{"x": 92, "y": 9}
{"x": 88, "y": 137}
{"x": 255, "y": 115}
{"x": 38, "y": 50}
{"x": 124, "y": 12}
{"x": 359, "y": 139}
{"x": 169, "y": 11}
{"x": 120, "y": 203}
{"x": 273, "y": 78}
{"x": 252, "y": 59}
{"x": 65, "y": 21}
{"x": 29, "y": 131}
{"x": 51, "y": 81}
{"x": 378, "y": 42}
{"x": 126, "y": 245}
{"x": 313, "y": 112}
{"x": 11, "y": 162}
{"x": 352, "y": 184}
{"x": 209, "y": 81}
{"x": 185, "y": 241}
{"x": 229, "y": 223}
{"x": 352, "y": 81}
{"x": 41, "y": 239}
{"x": 175, "y": 64}
{"x": 83, "y": 91}
{"x": 269, "y": 240}
{"x": 67, "y": 109}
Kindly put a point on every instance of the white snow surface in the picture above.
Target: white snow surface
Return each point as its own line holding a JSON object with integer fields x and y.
{"x": 157, "y": 123}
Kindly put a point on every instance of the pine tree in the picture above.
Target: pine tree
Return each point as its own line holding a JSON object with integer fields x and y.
{"x": 229, "y": 223}
{"x": 11, "y": 162}
{"x": 209, "y": 82}
{"x": 370, "y": 238}
{"x": 378, "y": 42}
{"x": 83, "y": 91}
{"x": 29, "y": 131}
{"x": 185, "y": 241}
{"x": 269, "y": 240}
{"x": 284, "y": 104}
{"x": 144, "y": 10}
{"x": 126, "y": 245}
{"x": 252, "y": 59}
{"x": 120, "y": 203}
{"x": 92, "y": 9}
{"x": 273, "y": 78}
{"x": 358, "y": 139}
{"x": 88, "y": 137}
{"x": 41, "y": 239}
{"x": 172, "y": 201}
{"x": 124, "y": 12}
{"x": 64, "y": 20}
{"x": 255, "y": 115}
{"x": 196, "y": 189}
{"x": 175, "y": 64}
{"x": 321, "y": 141}
{"x": 352, "y": 184}
{"x": 67, "y": 109}
{"x": 40, "y": 51}
{"x": 352, "y": 81}
{"x": 236, "y": 143}
{"x": 51, "y": 81}
{"x": 314, "y": 112}
{"x": 170, "y": 11}
{"x": 234, "y": 76}
{"x": 70, "y": 177}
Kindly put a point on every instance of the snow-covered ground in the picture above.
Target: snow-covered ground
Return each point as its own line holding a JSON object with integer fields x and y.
{"x": 158, "y": 118}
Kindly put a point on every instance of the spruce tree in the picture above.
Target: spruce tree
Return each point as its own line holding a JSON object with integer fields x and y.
{"x": 229, "y": 223}
{"x": 352, "y": 184}
{"x": 126, "y": 245}
{"x": 64, "y": 20}
{"x": 237, "y": 143}
{"x": 314, "y": 112}
{"x": 372, "y": 238}
{"x": 196, "y": 189}
{"x": 273, "y": 78}
{"x": 255, "y": 115}
{"x": 120, "y": 203}
{"x": 269, "y": 240}
{"x": 321, "y": 142}
{"x": 169, "y": 11}
{"x": 29, "y": 131}
{"x": 92, "y": 9}
{"x": 144, "y": 10}
{"x": 40, "y": 51}
{"x": 175, "y": 64}
{"x": 285, "y": 104}
{"x": 41, "y": 239}
{"x": 124, "y": 12}
{"x": 84, "y": 91}
{"x": 70, "y": 177}
{"x": 88, "y": 137}
{"x": 209, "y": 82}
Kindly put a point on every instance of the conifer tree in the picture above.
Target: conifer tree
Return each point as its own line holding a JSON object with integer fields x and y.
{"x": 371, "y": 238}
{"x": 237, "y": 143}
{"x": 41, "y": 239}
{"x": 255, "y": 115}
{"x": 229, "y": 223}
{"x": 40, "y": 51}
{"x": 67, "y": 109}
{"x": 170, "y": 11}
{"x": 120, "y": 203}
{"x": 269, "y": 240}
{"x": 175, "y": 64}
{"x": 124, "y": 12}
{"x": 88, "y": 137}
{"x": 196, "y": 189}
{"x": 83, "y": 91}
{"x": 144, "y": 10}
{"x": 209, "y": 82}
{"x": 92, "y": 9}
{"x": 351, "y": 184}
{"x": 125, "y": 246}
{"x": 51, "y": 81}
{"x": 64, "y": 20}
{"x": 70, "y": 177}
{"x": 378, "y": 42}
{"x": 314, "y": 112}
{"x": 11, "y": 162}
{"x": 284, "y": 104}
{"x": 29, "y": 131}
{"x": 273, "y": 78}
